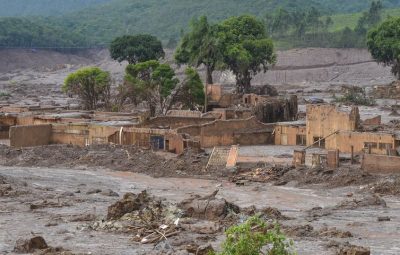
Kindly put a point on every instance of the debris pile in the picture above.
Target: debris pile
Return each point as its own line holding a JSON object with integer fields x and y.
{"x": 147, "y": 217}
{"x": 117, "y": 157}
{"x": 364, "y": 201}
{"x": 268, "y": 174}
{"x": 207, "y": 207}
{"x": 348, "y": 249}
{"x": 302, "y": 231}
{"x": 11, "y": 188}
{"x": 30, "y": 245}
{"x": 388, "y": 186}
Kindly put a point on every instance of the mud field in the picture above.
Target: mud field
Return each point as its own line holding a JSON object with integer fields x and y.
{"x": 69, "y": 205}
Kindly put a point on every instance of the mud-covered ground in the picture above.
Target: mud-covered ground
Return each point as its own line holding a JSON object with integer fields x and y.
{"x": 62, "y": 193}
{"x": 35, "y": 77}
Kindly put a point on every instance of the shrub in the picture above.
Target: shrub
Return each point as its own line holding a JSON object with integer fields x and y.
{"x": 253, "y": 238}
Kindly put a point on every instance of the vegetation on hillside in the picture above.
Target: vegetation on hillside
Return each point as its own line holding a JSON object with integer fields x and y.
{"x": 10, "y": 8}
{"x": 311, "y": 29}
{"x": 215, "y": 9}
{"x": 24, "y": 32}
{"x": 168, "y": 19}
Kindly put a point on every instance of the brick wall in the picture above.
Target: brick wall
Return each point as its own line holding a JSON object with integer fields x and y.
{"x": 381, "y": 164}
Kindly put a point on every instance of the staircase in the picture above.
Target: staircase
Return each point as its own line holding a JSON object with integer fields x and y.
{"x": 218, "y": 157}
{"x": 223, "y": 157}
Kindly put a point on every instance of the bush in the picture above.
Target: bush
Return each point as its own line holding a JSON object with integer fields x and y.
{"x": 356, "y": 96}
{"x": 253, "y": 238}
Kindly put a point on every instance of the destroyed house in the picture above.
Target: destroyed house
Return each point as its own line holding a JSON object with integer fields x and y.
{"x": 336, "y": 128}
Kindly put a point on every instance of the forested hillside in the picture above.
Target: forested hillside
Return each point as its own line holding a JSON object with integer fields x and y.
{"x": 216, "y": 7}
{"x": 44, "y": 7}
{"x": 300, "y": 22}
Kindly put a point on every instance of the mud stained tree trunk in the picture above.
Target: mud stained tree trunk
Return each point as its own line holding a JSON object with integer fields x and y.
{"x": 243, "y": 82}
{"x": 396, "y": 69}
{"x": 209, "y": 71}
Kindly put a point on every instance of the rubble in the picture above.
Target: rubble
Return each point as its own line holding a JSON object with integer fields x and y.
{"x": 11, "y": 188}
{"x": 129, "y": 203}
{"x": 116, "y": 157}
{"x": 384, "y": 218}
{"x": 309, "y": 231}
{"x": 364, "y": 201}
{"x": 275, "y": 110}
{"x": 208, "y": 207}
{"x": 387, "y": 186}
{"x": 30, "y": 245}
{"x": 266, "y": 174}
{"x": 348, "y": 249}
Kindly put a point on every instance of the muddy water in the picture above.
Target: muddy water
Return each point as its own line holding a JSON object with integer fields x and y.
{"x": 17, "y": 220}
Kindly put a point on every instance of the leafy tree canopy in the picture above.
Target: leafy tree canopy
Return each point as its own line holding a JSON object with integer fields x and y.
{"x": 200, "y": 46}
{"x": 136, "y": 48}
{"x": 246, "y": 48}
{"x": 192, "y": 90}
{"x": 384, "y": 44}
{"x": 91, "y": 84}
{"x": 154, "y": 83}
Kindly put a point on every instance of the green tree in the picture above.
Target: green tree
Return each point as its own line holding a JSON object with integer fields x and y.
{"x": 153, "y": 83}
{"x": 192, "y": 90}
{"x": 252, "y": 236}
{"x": 246, "y": 48}
{"x": 91, "y": 84}
{"x": 136, "y": 48}
{"x": 370, "y": 18}
{"x": 384, "y": 44}
{"x": 200, "y": 47}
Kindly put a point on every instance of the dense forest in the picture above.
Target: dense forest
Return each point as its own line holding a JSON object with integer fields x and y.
{"x": 11, "y": 8}
{"x": 322, "y": 23}
{"x": 57, "y": 7}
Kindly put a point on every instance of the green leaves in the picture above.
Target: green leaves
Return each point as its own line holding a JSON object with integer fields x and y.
{"x": 151, "y": 75}
{"x": 252, "y": 236}
{"x": 200, "y": 46}
{"x": 91, "y": 84}
{"x": 137, "y": 48}
{"x": 192, "y": 94}
{"x": 384, "y": 44}
{"x": 246, "y": 49}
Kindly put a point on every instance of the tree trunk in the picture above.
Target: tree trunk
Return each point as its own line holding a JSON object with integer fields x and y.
{"x": 243, "y": 82}
{"x": 396, "y": 70}
{"x": 209, "y": 78}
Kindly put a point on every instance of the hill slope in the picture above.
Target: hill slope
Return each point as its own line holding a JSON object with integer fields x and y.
{"x": 10, "y": 8}
{"x": 103, "y": 20}
{"x": 59, "y": 7}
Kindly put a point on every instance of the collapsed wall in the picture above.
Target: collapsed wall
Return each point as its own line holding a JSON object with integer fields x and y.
{"x": 276, "y": 110}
